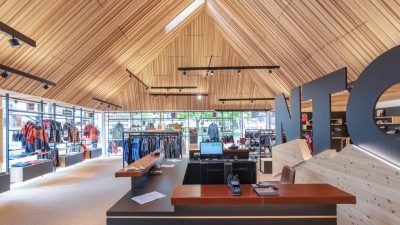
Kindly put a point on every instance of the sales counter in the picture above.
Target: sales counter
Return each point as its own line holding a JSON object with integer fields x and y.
{"x": 213, "y": 204}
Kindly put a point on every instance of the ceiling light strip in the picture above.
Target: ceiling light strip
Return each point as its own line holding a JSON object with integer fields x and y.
{"x": 183, "y": 15}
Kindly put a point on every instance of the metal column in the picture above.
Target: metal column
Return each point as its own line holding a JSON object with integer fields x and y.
{"x": 7, "y": 123}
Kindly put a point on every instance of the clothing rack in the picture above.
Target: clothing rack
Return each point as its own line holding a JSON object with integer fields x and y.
{"x": 151, "y": 133}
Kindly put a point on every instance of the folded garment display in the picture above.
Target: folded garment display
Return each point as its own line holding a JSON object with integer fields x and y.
{"x": 27, "y": 163}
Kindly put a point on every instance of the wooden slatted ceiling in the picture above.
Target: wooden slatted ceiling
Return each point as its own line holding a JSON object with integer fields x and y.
{"x": 308, "y": 38}
{"x": 85, "y": 45}
{"x": 193, "y": 47}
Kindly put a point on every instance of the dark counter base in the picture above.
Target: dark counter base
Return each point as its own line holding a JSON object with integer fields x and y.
{"x": 95, "y": 153}
{"x": 235, "y": 215}
{"x": 4, "y": 183}
{"x": 69, "y": 160}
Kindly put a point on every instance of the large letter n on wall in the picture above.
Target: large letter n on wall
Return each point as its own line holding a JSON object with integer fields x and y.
{"x": 289, "y": 121}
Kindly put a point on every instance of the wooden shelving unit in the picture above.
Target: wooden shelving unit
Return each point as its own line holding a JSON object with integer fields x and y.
{"x": 388, "y": 120}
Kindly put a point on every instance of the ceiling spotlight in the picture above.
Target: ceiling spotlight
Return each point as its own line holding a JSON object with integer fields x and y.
{"x": 199, "y": 97}
{"x": 45, "y": 86}
{"x": 184, "y": 72}
{"x": 212, "y": 73}
{"x": 109, "y": 106}
{"x": 270, "y": 71}
{"x": 180, "y": 90}
{"x": 207, "y": 74}
{"x": 239, "y": 72}
{"x": 252, "y": 101}
{"x": 101, "y": 103}
{"x": 4, "y": 74}
{"x": 167, "y": 89}
{"x": 14, "y": 42}
{"x": 223, "y": 102}
{"x": 147, "y": 88}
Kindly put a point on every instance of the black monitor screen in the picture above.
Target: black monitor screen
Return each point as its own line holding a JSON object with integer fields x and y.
{"x": 211, "y": 148}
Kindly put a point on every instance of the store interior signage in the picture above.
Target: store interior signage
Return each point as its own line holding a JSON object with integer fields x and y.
{"x": 379, "y": 76}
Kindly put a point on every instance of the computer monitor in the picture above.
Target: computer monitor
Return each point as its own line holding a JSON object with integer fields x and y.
{"x": 211, "y": 150}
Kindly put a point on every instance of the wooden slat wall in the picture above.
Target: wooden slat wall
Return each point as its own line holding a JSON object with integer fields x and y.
{"x": 85, "y": 45}
{"x": 374, "y": 183}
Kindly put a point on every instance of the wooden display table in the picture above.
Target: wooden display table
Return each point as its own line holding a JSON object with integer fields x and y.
{"x": 288, "y": 194}
{"x": 147, "y": 162}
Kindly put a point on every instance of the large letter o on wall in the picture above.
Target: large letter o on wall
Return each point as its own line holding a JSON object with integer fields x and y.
{"x": 380, "y": 75}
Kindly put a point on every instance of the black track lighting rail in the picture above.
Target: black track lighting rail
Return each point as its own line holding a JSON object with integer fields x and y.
{"x": 239, "y": 68}
{"x": 241, "y": 110}
{"x": 178, "y": 94}
{"x": 16, "y": 34}
{"x": 107, "y": 103}
{"x": 137, "y": 78}
{"x": 246, "y": 99}
{"x": 27, "y": 75}
{"x": 174, "y": 87}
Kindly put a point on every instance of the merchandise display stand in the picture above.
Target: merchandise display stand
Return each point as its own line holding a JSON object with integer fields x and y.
{"x": 151, "y": 133}
{"x": 93, "y": 153}
{"x": 71, "y": 159}
{"x": 4, "y": 183}
{"x": 21, "y": 174}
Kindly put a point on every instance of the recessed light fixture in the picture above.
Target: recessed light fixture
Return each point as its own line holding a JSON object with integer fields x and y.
{"x": 183, "y": 15}
{"x": 199, "y": 97}
{"x": 45, "y": 86}
{"x": 184, "y": 72}
{"x": 239, "y": 72}
{"x": 212, "y": 73}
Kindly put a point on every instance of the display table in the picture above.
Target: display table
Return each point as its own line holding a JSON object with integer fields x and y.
{"x": 20, "y": 174}
{"x": 311, "y": 204}
{"x": 71, "y": 159}
{"x": 266, "y": 165}
{"x": 4, "y": 183}
{"x": 93, "y": 153}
